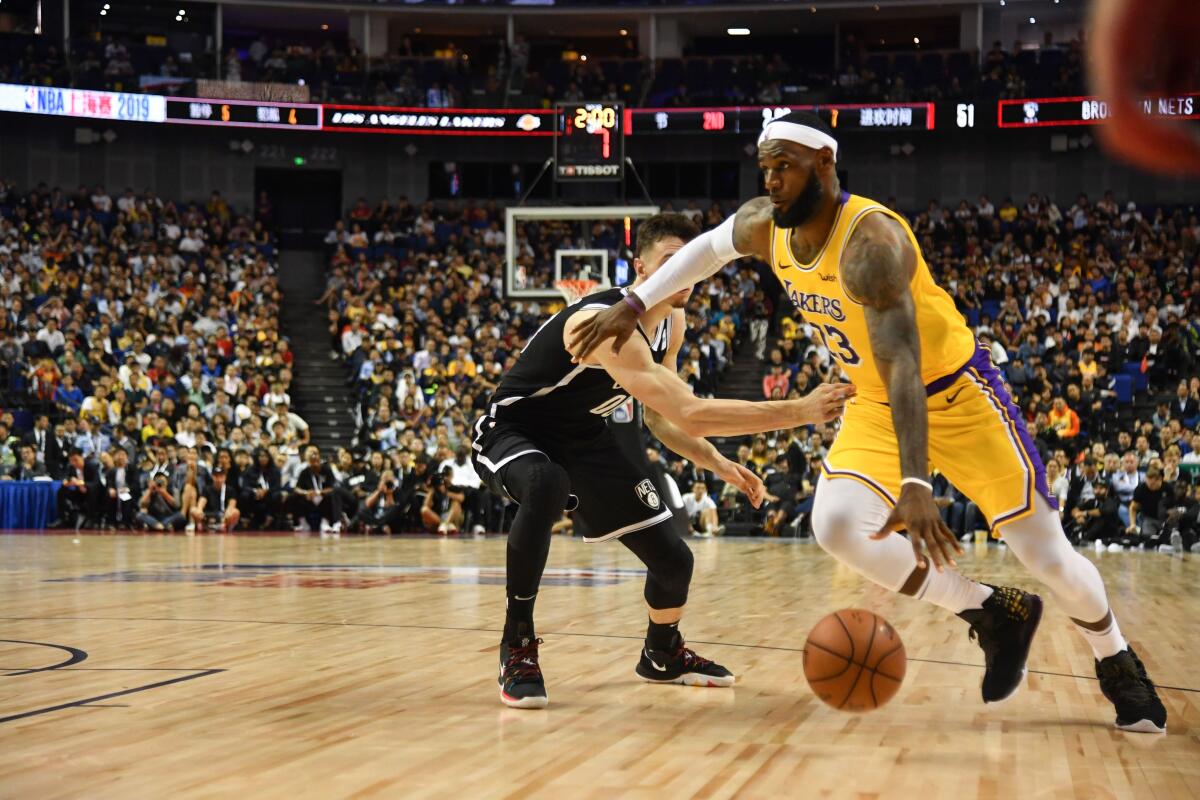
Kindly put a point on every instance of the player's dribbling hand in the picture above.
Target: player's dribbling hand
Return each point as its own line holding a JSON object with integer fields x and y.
{"x": 825, "y": 403}
{"x": 744, "y": 479}
{"x": 617, "y": 322}
{"x": 917, "y": 513}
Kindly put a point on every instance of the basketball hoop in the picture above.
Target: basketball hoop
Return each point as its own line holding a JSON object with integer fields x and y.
{"x": 574, "y": 289}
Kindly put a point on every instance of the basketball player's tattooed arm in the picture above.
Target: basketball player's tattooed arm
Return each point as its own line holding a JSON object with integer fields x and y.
{"x": 877, "y": 267}
{"x": 752, "y": 228}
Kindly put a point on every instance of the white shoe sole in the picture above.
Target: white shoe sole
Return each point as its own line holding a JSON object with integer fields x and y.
{"x": 696, "y": 679}
{"x": 524, "y": 702}
{"x": 1142, "y": 726}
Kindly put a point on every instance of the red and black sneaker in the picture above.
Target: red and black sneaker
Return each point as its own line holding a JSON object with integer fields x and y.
{"x": 682, "y": 666}
{"x": 520, "y": 679}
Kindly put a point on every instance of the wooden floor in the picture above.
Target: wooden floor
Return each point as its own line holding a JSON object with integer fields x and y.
{"x": 290, "y": 667}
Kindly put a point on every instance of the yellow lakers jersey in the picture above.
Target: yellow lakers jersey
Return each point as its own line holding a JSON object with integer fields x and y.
{"x": 816, "y": 290}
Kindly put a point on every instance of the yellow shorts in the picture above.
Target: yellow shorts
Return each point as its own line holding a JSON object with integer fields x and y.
{"x": 977, "y": 439}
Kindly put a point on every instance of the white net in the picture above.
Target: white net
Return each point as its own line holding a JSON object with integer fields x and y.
{"x": 572, "y": 289}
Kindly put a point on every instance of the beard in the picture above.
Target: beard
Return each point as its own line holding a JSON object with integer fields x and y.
{"x": 804, "y": 206}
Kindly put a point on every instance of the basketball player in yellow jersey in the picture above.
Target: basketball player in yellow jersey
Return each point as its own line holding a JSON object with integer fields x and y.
{"x": 927, "y": 395}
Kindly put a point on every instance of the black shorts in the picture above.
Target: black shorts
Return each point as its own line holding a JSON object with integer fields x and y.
{"x": 613, "y": 495}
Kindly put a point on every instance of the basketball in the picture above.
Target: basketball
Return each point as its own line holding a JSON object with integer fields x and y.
{"x": 854, "y": 660}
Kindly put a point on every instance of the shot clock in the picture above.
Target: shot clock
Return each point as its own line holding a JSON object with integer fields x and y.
{"x": 589, "y": 144}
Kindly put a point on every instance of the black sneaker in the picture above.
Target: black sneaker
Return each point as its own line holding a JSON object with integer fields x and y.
{"x": 520, "y": 679}
{"x": 1124, "y": 682}
{"x": 681, "y": 666}
{"x": 1004, "y": 627}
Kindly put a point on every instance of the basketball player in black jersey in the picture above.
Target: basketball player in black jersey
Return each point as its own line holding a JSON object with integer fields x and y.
{"x": 544, "y": 443}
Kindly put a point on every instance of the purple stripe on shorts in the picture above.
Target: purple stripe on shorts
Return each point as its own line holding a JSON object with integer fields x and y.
{"x": 981, "y": 363}
{"x": 837, "y": 473}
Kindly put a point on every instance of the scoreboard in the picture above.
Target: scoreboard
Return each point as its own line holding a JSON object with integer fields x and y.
{"x": 1042, "y": 112}
{"x": 589, "y": 137}
{"x": 752, "y": 119}
{"x": 589, "y": 143}
{"x": 243, "y": 113}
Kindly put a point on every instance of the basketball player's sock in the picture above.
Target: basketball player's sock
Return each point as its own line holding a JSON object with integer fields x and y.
{"x": 662, "y": 636}
{"x": 518, "y": 618}
{"x": 1039, "y": 542}
{"x": 953, "y": 592}
{"x": 1105, "y": 642}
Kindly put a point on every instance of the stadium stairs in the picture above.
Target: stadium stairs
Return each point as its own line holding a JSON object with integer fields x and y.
{"x": 742, "y": 381}
{"x": 319, "y": 392}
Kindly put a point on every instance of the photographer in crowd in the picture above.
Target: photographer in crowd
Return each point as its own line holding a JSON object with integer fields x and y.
{"x": 381, "y": 511}
{"x": 442, "y": 509}
{"x": 217, "y": 509}
{"x": 158, "y": 510}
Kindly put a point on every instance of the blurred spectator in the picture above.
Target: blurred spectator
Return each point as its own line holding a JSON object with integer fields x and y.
{"x": 158, "y": 509}
{"x": 702, "y": 511}
{"x": 313, "y": 501}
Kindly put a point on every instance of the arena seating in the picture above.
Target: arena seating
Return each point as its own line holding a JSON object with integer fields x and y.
{"x": 156, "y": 348}
{"x": 485, "y": 73}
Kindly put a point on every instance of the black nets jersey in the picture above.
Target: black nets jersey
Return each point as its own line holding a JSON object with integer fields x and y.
{"x": 545, "y": 391}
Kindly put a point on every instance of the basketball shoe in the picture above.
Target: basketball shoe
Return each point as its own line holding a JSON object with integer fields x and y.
{"x": 520, "y": 679}
{"x": 1124, "y": 682}
{"x": 681, "y": 665}
{"x": 1004, "y": 628}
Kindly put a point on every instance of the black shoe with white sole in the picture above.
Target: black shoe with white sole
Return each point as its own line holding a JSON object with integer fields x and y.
{"x": 682, "y": 665}
{"x": 520, "y": 679}
{"x": 1004, "y": 627}
{"x": 1124, "y": 682}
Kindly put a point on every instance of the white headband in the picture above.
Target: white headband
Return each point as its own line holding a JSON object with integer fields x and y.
{"x": 800, "y": 134}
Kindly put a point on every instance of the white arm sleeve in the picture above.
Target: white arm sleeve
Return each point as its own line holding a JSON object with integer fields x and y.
{"x": 695, "y": 261}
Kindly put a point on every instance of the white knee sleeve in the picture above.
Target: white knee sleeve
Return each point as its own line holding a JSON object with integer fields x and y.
{"x": 845, "y": 514}
{"x": 1039, "y": 542}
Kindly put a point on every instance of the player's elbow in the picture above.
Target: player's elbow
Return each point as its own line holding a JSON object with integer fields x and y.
{"x": 683, "y": 415}
{"x": 690, "y": 419}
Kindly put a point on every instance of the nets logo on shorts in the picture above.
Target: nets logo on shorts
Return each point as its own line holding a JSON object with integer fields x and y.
{"x": 648, "y": 494}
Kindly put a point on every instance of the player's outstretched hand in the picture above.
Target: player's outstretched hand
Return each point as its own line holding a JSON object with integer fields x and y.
{"x": 918, "y": 514}
{"x": 617, "y": 322}
{"x": 745, "y": 480}
{"x": 825, "y": 403}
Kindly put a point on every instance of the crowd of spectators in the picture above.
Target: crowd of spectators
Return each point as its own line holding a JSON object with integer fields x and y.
{"x": 485, "y": 72}
{"x": 150, "y": 379}
{"x": 140, "y": 347}
{"x": 417, "y": 314}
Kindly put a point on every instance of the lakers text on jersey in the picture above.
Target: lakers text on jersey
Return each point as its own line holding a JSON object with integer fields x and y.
{"x": 977, "y": 437}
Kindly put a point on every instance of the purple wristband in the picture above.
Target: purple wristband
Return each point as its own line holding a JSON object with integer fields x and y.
{"x": 635, "y": 303}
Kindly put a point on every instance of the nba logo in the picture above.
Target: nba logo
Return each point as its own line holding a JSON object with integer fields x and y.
{"x": 1031, "y": 112}
{"x": 623, "y": 412}
{"x": 648, "y": 494}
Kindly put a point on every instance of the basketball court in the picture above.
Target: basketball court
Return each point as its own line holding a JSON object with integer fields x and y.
{"x": 264, "y": 666}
